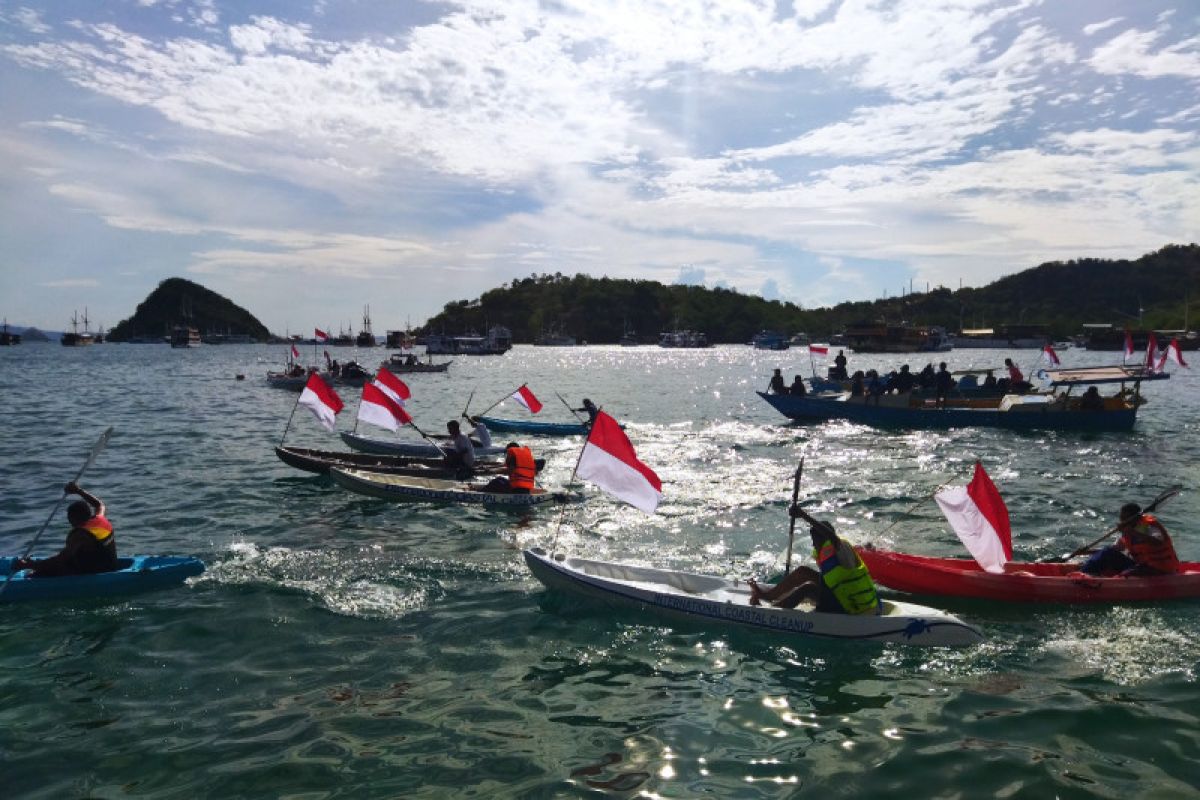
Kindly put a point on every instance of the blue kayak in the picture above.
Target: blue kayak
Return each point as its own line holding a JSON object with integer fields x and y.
{"x": 137, "y": 574}
{"x": 535, "y": 428}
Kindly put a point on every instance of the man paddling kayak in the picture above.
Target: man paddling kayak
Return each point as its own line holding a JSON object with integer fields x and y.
{"x": 91, "y": 546}
{"x": 842, "y": 586}
{"x": 1145, "y": 548}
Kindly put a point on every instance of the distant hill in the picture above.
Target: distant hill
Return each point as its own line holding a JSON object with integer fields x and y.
{"x": 1156, "y": 287}
{"x": 34, "y": 335}
{"x": 177, "y": 301}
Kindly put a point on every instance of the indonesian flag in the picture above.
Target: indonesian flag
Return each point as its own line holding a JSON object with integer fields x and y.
{"x": 526, "y": 398}
{"x": 1151, "y": 351}
{"x": 322, "y": 336}
{"x": 378, "y": 408}
{"x": 392, "y": 386}
{"x": 320, "y": 398}
{"x": 295, "y": 352}
{"x": 608, "y": 460}
{"x": 1051, "y": 356}
{"x": 818, "y": 350}
{"x": 979, "y": 517}
{"x": 1173, "y": 352}
{"x": 1128, "y": 344}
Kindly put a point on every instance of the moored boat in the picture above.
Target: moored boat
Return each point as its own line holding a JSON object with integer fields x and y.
{"x": 137, "y": 574}
{"x": 712, "y": 599}
{"x": 497, "y": 342}
{"x": 399, "y": 363}
{"x": 370, "y": 444}
{"x": 770, "y": 340}
{"x": 1023, "y": 582}
{"x": 428, "y": 490}
{"x": 321, "y": 461}
{"x": 535, "y": 428}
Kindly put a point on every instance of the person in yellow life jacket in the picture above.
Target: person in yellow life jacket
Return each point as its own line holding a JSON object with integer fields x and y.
{"x": 1145, "y": 548}
{"x": 841, "y": 583}
{"x": 91, "y": 545}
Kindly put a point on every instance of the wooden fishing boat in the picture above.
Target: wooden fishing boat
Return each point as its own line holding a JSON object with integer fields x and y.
{"x": 286, "y": 380}
{"x": 1053, "y": 410}
{"x": 395, "y": 447}
{"x": 137, "y": 574}
{"x": 711, "y": 599}
{"x": 398, "y": 363}
{"x": 1022, "y": 582}
{"x": 536, "y": 428}
{"x": 428, "y": 490}
{"x": 321, "y": 461}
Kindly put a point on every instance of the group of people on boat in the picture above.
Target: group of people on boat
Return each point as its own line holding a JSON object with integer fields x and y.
{"x": 520, "y": 466}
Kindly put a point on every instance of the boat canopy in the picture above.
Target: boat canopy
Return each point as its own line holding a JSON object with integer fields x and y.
{"x": 1076, "y": 376}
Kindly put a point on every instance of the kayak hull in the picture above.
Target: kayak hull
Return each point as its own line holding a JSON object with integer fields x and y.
{"x": 320, "y": 462}
{"x": 711, "y": 599}
{"x": 1022, "y": 582}
{"x": 534, "y": 428}
{"x": 405, "y": 488}
{"x": 138, "y": 574}
{"x": 394, "y": 447}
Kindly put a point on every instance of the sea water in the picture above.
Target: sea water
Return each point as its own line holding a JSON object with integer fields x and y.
{"x": 344, "y": 646}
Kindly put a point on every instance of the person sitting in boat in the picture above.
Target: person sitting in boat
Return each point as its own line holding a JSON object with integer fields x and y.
{"x": 1145, "y": 548}
{"x": 521, "y": 469}
{"x": 944, "y": 384}
{"x": 410, "y": 361}
{"x": 904, "y": 380}
{"x": 840, "y": 585}
{"x": 798, "y": 389}
{"x": 462, "y": 453}
{"x": 928, "y": 378}
{"x": 989, "y": 384}
{"x": 839, "y": 367}
{"x": 777, "y": 385}
{"x": 91, "y": 546}
{"x": 591, "y": 410}
{"x": 480, "y": 432}
{"x": 296, "y": 371}
{"x": 1016, "y": 379}
{"x": 858, "y": 384}
{"x": 335, "y": 369}
{"x": 1091, "y": 400}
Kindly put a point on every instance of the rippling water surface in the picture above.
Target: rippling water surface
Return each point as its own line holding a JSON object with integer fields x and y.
{"x": 341, "y": 646}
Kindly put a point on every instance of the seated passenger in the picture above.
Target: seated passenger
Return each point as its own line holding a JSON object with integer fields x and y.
{"x": 798, "y": 388}
{"x": 91, "y": 545}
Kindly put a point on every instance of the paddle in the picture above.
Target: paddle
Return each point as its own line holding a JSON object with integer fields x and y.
{"x": 468, "y": 405}
{"x": 568, "y": 405}
{"x": 787, "y": 565}
{"x": 1166, "y": 495}
{"x": 95, "y": 451}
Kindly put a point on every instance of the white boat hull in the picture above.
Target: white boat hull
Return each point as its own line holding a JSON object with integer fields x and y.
{"x": 708, "y": 598}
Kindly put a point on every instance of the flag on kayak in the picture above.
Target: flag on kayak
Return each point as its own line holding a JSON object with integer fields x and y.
{"x": 392, "y": 386}
{"x": 609, "y": 461}
{"x": 295, "y": 352}
{"x": 978, "y": 515}
{"x": 526, "y": 398}
{"x": 1128, "y": 344}
{"x": 1173, "y": 352}
{"x": 320, "y": 398}
{"x": 378, "y": 408}
{"x": 1151, "y": 352}
{"x": 1051, "y": 356}
{"x": 322, "y": 336}
{"x": 818, "y": 350}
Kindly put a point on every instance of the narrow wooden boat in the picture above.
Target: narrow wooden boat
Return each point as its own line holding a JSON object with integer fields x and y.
{"x": 1022, "y": 582}
{"x": 395, "y": 447}
{"x": 429, "y": 490}
{"x": 712, "y": 599}
{"x": 398, "y": 364}
{"x": 535, "y": 428}
{"x": 320, "y": 462}
{"x": 137, "y": 574}
{"x": 282, "y": 380}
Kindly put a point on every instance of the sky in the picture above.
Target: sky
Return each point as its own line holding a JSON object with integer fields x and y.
{"x": 308, "y": 159}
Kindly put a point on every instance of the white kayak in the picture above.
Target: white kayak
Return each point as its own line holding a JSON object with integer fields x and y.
{"x": 708, "y": 598}
{"x": 431, "y": 490}
{"x": 395, "y": 447}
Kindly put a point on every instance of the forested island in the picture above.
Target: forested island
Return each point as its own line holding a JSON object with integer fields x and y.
{"x": 177, "y": 301}
{"x": 1150, "y": 292}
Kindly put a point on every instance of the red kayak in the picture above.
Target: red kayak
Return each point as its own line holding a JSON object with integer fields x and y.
{"x": 1022, "y": 582}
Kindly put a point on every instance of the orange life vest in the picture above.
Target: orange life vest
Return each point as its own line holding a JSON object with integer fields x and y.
{"x": 99, "y": 527}
{"x": 521, "y": 468}
{"x": 1154, "y": 552}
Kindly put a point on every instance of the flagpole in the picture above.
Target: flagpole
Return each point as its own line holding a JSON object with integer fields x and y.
{"x": 501, "y": 400}
{"x": 812, "y": 362}
{"x": 568, "y": 405}
{"x": 919, "y": 502}
{"x": 289, "y": 422}
{"x": 563, "y": 512}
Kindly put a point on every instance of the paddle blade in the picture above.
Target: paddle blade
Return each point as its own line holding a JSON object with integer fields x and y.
{"x": 1167, "y": 494}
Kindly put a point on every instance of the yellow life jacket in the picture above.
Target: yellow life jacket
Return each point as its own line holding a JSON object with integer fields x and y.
{"x": 853, "y": 588}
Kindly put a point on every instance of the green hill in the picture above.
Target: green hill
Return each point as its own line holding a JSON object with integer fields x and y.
{"x": 180, "y": 302}
{"x": 1061, "y": 295}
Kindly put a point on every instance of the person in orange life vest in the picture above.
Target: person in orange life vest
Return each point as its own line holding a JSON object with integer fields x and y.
{"x": 1144, "y": 548}
{"x": 521, "y": 467}
{"x": 91, "y": 546}
{"x": 840, "y": 585}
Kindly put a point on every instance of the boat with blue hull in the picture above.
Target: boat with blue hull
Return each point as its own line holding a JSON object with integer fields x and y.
{"x": 137, "y": 574}
{"x": 709, "y": 599}
{"x": 535, "y": 428}
{"x": 1057, "y": 409}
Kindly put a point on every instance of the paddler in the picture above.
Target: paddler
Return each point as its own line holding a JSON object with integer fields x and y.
{"x": 462, "y": 453}
{"x": 521, "y": 470}
{"x": 591, "y": 410}
{"x": 841, "y": 586}
{"x": 1145, "y": 548}
{"x": 91, "y": 546}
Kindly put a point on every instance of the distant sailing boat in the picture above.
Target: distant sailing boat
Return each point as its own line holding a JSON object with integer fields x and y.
{"x": 75, "y": 338}
{"x": 365, "y": 337}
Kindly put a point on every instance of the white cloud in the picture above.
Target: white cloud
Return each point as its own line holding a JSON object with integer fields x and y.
{"x": 1096, "y": 27}
{"x": 1133, "y": 52}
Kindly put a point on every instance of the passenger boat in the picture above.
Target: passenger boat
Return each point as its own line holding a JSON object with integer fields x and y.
{"x": 185, "y": 336}
{"x": 880, "y": 337}
{"x": 535, "y": 428}
{"x": 712, "y": 599}
{"x": 400, "y": 340}
{"x": 683, "y": 339}
{"x": 137, "y": 574}
{"x": 399, "y": 363}
{"x": 770, "y": 340}
{"x": 395, "y": 447}
{"x": 428, "y": 490}
{"x": 1004, "y": 337}
{"x": 1054, "y": 410}
{"x": 321, "y": 461}
{"x": 1022, "y": 582}
{"x": 497, "y": 342}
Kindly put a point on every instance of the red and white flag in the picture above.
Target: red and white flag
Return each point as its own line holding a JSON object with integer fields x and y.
{"x": 1051, "y": 356}
{"x": 320, "y": 398}
{"x": 322, "y": 336}
{"x": 1128, "y": 344}
{"x": 526, "y": 398}
{"x": 378, "y": 408}
{"x": 609, "y": 461}
{"x": 1173, "y": 352}
{"x": 979, "y": 517}
{"x": 1151, "y": 352}
{"x": 295, "y": 352}
{"x": 818, "y": 350}
{"x": 392, "y": 386}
